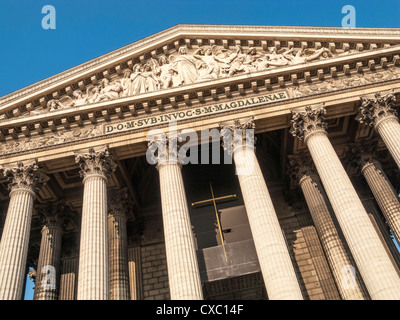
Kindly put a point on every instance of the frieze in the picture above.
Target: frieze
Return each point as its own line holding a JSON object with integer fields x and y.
{"x": 51, "y": 139}
{"x": 337, "y": 83}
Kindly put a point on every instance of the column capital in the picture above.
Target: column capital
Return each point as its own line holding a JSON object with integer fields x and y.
{"x": 118, "y": 202}
{"x": 376, "y": 108}
{"x": 94, "y": 163}
{"x": 235, "y": 133}
{"x": 363, "y": 154}
{"x": 53, "y": 214}
{"x": 308, "y": 121}
{"x": 166, "y": 148}
{"x": 301, "y": 167}
{"x": 29, "y": 177}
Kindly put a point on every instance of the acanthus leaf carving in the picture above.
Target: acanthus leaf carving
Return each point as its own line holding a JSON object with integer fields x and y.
{"x": 375, "y": 108}
{"x": 300, "y": 167}
{"x": 308, "y": 120}
{"x": 30, "y": 177}
{"x": 54, "y": 214}
{"x": 119, "y": 203}
{"x": 236, "y": 134}
{"x": 364, "y": 154}
{"x": 96, "y": 163}
{"x": 164, "y": 148}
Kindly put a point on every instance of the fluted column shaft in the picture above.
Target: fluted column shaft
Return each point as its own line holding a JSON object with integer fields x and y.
{"x": 93, "y": 276}
{"x": 52, "y": 216}
{"x": 49, "y": 263}
{"x": 68, "y": 279}
{"x": 384, "y": 194}
{"x": 183, "y": 270}
{"x": 339, "y": 260}
{"x": 93, "y": 255}
{"x": 276, "y": 266}
{"x": 118, "y": 257}
{"x": 135, "y": 273}
{"x": 24, "y": 181}
{"x": 376, "y": 269}
{"x": 389, "y": 130}
{"x": 14, "y": 244}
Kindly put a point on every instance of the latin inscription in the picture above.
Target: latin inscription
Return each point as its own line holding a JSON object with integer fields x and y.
{"x": 194, "y": 113}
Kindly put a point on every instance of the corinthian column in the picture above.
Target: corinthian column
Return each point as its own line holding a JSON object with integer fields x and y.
{"x": 53, "y": 217}
{"x": 183, "y": 270}
{"x": 302, "y": 170}
{"x": 375, "y": 266}
{"x": 380, "y": 112}
{"x": 363, "y": 156}
{"x": 96, "y": 167}
{"x": 276, "y": 266}
{"x": 24, "y": 181}
{"x": 118, "y": 205}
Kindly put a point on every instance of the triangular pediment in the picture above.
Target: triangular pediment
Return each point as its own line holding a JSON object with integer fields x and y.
{"x": 208, "y": 53}
{"x": 198, "y": 64}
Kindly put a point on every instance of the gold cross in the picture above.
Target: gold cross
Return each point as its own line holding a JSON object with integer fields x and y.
{"x": 214, "y": 200}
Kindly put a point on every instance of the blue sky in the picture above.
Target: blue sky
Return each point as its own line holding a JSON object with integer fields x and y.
{"x": 86, "y": 29}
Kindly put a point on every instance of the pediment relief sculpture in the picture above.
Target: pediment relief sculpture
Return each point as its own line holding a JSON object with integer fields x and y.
{"x": 184, "y": 67}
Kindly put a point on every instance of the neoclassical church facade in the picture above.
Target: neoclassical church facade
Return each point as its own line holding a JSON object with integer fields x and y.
{"x": 89, "y": 217}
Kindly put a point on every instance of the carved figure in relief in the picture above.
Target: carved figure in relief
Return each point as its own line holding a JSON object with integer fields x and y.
{"x": 209, "y": 68}
{"x": 80, "y": 98}
{"x": 204, "y": 64}
{"x": 240, "y": 62}
{"x": 152, "y": 82}
{"x": 55, "y": 104}
{"x": 296, "y": 57}
{"x": 223, "y": 58}
{"x": 93, "y": 94}
{"x": 126, "y": 83}
{"x": 138, "y": 80}
{"x": 185, "y": 66}
{"x": 108, "y": 91}
{"x": 164, "y": 72}
{"x": 271, "y": 60}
